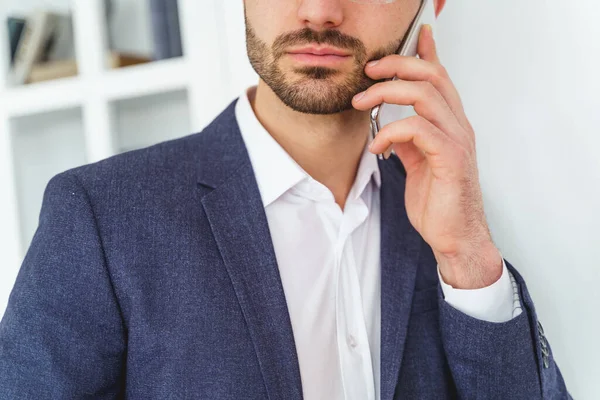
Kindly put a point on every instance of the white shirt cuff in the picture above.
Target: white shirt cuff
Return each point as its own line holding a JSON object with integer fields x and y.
{"x": 498, "y": 302}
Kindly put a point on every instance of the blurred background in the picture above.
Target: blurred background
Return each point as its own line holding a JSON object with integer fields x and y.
{"x": 81, "y": 80}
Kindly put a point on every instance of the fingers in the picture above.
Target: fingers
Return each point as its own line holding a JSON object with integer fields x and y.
{"x": 426, "y": 137}
{"x": 426, "y": 68}
{"x": 415, "y": 69}
{"x": 415, "y": 138}
{"x": 427, "y": 101}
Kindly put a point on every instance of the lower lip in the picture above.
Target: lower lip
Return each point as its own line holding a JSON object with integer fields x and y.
{"x": 313, "y": 59}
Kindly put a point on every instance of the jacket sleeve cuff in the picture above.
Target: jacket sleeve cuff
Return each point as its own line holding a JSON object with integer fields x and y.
{"x": 498, "y": 302}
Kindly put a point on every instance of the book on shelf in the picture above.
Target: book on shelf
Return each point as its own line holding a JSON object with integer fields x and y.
{"x": 33, "y": 42}
{"x": 44, "y": 36}
{"x": 160, "y": 33}
{"x": 166, "y": 32}
{"x": 62, "y": 42}
{"x": 15, "y": 27}
{"x": 66, "y": 68}
{"x": 173, "y": 28}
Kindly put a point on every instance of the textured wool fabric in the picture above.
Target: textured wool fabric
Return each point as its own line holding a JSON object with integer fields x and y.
{"x": 152, "y": 275}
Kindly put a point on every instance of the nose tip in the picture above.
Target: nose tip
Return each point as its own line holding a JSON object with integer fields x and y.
{"x": 321, "y": 14}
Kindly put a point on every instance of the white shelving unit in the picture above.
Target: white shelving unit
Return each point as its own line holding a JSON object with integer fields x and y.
{"x": 87, "y": 118}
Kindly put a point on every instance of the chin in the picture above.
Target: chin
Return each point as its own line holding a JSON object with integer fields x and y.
{"x": 314, "y": 90}
{"x": 316, "y": 97}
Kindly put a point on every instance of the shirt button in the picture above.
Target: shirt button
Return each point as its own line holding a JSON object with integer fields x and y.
{"x": 352, "y": 341}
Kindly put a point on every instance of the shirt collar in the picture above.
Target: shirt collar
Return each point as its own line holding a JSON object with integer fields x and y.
{"x": 367, "y": 168}
{"x": 275, "y": 170}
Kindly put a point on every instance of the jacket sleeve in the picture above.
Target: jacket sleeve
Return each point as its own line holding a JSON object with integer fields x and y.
{"x": 62, "y": 335}
{"x": 506, "y": 360}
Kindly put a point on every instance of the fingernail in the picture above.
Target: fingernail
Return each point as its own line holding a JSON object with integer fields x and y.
{"x": 388, "y": 153}
{"x": 428, "y": 29}
{"x": 359, "y": 96}
{"x": 371, "y": 145}
{"x": 371, "y": 63}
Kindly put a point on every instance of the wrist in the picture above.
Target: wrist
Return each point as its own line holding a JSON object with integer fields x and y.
{"x": 474, "y": 269}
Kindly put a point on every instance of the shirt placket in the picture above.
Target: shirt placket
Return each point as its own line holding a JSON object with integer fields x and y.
{"x": 353, "y": 344}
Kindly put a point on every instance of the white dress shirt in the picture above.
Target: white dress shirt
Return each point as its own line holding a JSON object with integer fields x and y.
{"x": 329, "y": 263}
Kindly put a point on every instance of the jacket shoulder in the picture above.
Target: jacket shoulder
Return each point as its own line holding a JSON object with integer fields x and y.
{"x": 170, "y": 156}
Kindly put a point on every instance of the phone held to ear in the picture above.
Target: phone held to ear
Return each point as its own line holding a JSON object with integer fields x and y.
{"x": 385, "y": 113}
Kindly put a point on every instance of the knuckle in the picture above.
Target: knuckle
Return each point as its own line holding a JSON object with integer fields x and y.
{"x": 471, "y": 147}
{"x": 414, "y": 120}
{"x": 441, "y": 71}
{"x": 386, "y": 132}
{"x": 428, "y": 89}
{"x": 377, "y": 88}
{"x": 438, "y": 75}
{"x": 420, "y": 123}
{"x": 463, "y": 157}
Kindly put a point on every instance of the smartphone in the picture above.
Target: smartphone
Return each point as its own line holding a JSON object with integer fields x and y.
{"x": 385, "y": 113}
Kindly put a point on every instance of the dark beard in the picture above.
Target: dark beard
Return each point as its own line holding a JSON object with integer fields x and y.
{"x": 300, "y": 95}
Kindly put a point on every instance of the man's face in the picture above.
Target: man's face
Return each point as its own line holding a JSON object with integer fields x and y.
{"x": 312, "y": 84}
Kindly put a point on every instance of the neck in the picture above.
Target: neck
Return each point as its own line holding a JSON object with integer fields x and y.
{"x": 327, "y": 147}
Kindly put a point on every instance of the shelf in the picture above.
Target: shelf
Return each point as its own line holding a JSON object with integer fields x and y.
{"x": 127, "y": 82}
{"x": 145, "y": 79}
{"x": 42, "y": 97}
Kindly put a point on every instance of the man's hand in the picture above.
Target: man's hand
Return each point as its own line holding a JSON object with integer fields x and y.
{"x": 437, "y": 148}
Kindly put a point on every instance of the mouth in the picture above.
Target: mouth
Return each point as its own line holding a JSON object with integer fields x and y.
{"x": 319, "y": 56}
{"x": 320, "y": 51}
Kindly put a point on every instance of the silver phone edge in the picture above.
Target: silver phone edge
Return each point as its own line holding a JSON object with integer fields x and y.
{"x": 375, "y": 124}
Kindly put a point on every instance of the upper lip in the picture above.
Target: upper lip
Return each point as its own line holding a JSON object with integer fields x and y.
{"x": 320, "y": 51}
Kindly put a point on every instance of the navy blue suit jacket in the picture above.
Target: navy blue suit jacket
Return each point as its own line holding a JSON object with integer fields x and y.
{"x": 152, "y": 275}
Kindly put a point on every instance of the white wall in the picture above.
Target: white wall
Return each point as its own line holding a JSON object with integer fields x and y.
{"x": 528, "y": 75}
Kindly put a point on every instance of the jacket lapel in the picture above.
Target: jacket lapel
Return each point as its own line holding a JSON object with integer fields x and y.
{"x": 239, "y": 224}
{"x": 400, "y": 249}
